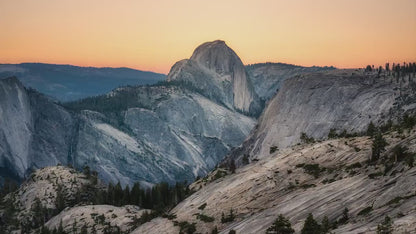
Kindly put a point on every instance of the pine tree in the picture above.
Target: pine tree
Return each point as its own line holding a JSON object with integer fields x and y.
{"x": 378, "y": 146}
{"x": 371, "y": 129}
{"x": 60, "y": 199}
{"x": 135, "y": 194}
{"x": 325, "y": 226}
{"x": 126, "y": 196}
{"x": 232, "y": 166}
{"x": 84, "y": 229}
{"x": 280, "y": 226}
{"x": 385, "y": 227}
{"x": 60, "y": 228}
{"x": 118, "y": 194}
{"x": 215, "y": 230}
{"x": 345, "y": 217}
{"x": 37, "y": 210}
{"x": 87, "y": 171}
{"x": 245, "y": 159}
{"x": 311, "y": 226}
{"x": 44, "y": 230}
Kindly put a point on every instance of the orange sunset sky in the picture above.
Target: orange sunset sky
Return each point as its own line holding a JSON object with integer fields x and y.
{"x": 154, "y": 34}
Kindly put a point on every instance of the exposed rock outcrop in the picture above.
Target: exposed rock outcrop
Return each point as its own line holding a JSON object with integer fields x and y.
{"x": 166, "y": 133}
{"x": 218, "y": 72}
{"x": 267, "y": 78}
{"x": 34, "y": 131}
{"x": 282, "y": 184}
{"x": 315, "y": 103}
{"x": 96, "y": 219}
{"x": 176, "y": 135}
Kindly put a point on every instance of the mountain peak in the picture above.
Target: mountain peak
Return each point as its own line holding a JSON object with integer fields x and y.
{"x": 220, "y": 74}
{"x": 217, "y": 56}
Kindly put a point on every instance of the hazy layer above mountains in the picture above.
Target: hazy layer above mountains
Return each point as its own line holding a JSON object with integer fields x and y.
{"x": 67, "y": 82}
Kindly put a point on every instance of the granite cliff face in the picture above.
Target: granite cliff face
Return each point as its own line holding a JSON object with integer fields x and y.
{"x": 267, "y": 78}
{"x": 171, "y": 135}
{"x": 173, "y": 131}
{"x": 219, "y": 73}
{"x": 315, "y": 103}
{"x": 280, "y": 184}
{"x": 34, "y": 131}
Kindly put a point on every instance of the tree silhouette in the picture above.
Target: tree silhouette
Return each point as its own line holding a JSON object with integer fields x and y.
{"x": 378, "y": 146}
{"x": 385, "y": 227}
{"x": 311, "y": 226}
{"x": 280, "y": 226}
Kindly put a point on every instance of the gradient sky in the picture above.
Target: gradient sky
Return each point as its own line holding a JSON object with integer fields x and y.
{"x": 154, "y": 34}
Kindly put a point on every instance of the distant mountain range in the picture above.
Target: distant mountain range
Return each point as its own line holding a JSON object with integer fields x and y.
{"x": 68, "y": 83}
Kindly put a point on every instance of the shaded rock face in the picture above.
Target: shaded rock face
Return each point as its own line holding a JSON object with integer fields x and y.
{"x": 179, "y": 137}
{"x": 34, "y": 132}
{"x": 173, "y": 134}
{"x": 218, "y": 72}
{"x": 267, "y": 78}
{"x": 315, "y": 103}
{"x": 16, "y": 126}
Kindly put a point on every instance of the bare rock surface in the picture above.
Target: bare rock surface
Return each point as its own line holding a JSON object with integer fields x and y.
{"x": 315, "y": 103}
{"x": 157, "y": 225}
{"x": 217, "y": 71}
{"x": 267, "y": 78}
{"x": 279, "y": 184}
{"x": 101, "y": 218}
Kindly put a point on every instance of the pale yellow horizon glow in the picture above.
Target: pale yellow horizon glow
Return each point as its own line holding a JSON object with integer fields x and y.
{"x": 153, "y": 34}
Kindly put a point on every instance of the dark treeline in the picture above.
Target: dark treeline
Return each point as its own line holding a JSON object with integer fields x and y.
{"x": 108, "y": 103}
{"x": 127, "y": 97}
{"x": 7, "y": 187}
{"x": 160, "y": 197}
{"x": 396, "y": 70}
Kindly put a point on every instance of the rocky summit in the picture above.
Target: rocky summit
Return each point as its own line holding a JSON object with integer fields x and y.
{"x": 218, "y": 72}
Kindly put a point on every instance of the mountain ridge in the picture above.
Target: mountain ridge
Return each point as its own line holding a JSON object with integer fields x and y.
{"x": 69, "y": 82}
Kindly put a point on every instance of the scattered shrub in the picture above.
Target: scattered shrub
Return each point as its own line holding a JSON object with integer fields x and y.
{"x": 205, "y": 218}
{"x": 201, "y": 207}
{"x": 228, "y": 218}
{"x": 365, "y": 211}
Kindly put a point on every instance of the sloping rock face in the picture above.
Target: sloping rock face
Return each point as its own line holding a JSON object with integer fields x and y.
{"x": 218, "y": 72}
{"x": 16, "y": 125}
{"x": 166, "y": 133}
{"x": 34, "y": 131}
{"x": 315, "y": 103}
{"x": 40, "y": 192}
{"x": 169, "y": 132}
{"x": 280, "y": 184}
{"x": 96, "y": 219}
{"x": 267, "y": 78}
{"x": 174, "y": 135}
